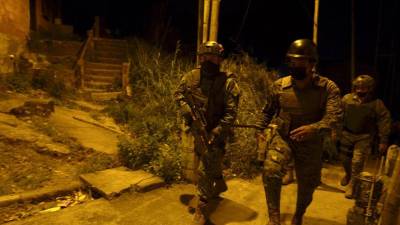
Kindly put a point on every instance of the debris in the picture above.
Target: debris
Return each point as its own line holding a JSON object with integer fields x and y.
{"x": 54, "y": 209}
{"x": 34, "y": 107}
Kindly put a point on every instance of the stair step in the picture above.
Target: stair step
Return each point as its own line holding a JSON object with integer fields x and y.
{"x": 109, "y": 60}
{"x": 98, "y": 85}
{"x": 93, "y": 90}
{"x": 104, "y": 72}
{"x": 110, "y": 54}
{"x": 96, "y": 65}
{"x": 111, "y": 42}
{"x": 104, "y": 96}
{"x": 99, "y": 78}
{"x": 108, "y": 47}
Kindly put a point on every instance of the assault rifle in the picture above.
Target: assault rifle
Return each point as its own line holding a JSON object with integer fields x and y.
{"x": 199, "y": 121}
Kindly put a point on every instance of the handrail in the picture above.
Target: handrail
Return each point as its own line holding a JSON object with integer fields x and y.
{"x": 83, "y": 50}
{"x": 79, "y": 66}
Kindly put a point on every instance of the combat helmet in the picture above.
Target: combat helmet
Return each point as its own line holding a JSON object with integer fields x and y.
{"x": 211, "y": 47}
{"x": 365, "y": 81}
{"x": 302, "y": 48}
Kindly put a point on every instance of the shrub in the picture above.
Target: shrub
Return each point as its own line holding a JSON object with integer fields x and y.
{"x": 48, "y": 81}
{"x": 97, "y": 162}
{"x": 137, "y": 153}
{"x": 254, "y": 81}
{"x": 18, "y": 82}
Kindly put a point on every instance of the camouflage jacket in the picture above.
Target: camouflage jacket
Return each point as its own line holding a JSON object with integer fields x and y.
{"x": 218, "y": 97}
{"x": 370, "y": 117}
{"x": 288, "y": 107}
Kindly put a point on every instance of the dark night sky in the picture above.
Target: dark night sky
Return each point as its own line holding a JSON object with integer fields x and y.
{"x": 267, "y": 32}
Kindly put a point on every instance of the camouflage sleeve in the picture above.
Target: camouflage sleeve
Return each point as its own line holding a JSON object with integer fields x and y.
{"x": 231, "y": 103}
{"x": 184, "y": 111}
{"x": 178, "y": 94}
{"x": 270, "y": 108}
{"x": 333, "y": 110}
{"x": 383, "y": 121}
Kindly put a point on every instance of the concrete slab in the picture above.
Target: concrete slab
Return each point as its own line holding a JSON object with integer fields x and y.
{"x": 112, "y": 182}
{"x": 88, "y": 135}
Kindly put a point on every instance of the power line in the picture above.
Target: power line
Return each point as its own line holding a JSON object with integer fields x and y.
{"x": 243, "y": 20}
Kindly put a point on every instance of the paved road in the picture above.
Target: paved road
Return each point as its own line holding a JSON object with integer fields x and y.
{"x": 243, "y": 204}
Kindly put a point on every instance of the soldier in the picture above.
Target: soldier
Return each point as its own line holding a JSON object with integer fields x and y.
{"x": 217, "y": 95}
{"x": 304, "y": 106}
{"x": 362, "y": 115}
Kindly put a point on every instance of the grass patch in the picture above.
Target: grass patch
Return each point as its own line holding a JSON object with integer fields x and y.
{"x": 97, "y": 161}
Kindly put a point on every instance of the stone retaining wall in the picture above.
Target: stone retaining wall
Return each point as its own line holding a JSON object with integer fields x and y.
{"x": 14, "y": 30}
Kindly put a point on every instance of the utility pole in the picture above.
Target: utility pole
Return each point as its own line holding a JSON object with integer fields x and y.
{"x": 315, "y": 30}
{"x": 353, "y": 47}
{"x": 208, "y": 16}
{"x": 199, "y": 29}
{"x": 206, "y": 20}
{"x": 214, "y": 20}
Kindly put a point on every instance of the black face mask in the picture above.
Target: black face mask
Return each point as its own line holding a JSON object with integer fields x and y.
{"x": 209, "y": 69}
{"x": 362, "y": 94}
{"x": 298, "y": 73}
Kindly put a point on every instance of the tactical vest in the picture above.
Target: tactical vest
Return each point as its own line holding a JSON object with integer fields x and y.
{"x": 209, "y": 95}
{"x": 359, "y": 118}
{"x": 300, "y": 107}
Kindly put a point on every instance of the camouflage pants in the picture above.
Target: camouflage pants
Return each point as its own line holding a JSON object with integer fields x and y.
{"x": 307, "y": 157}
{"x": 354, "y": 150}
{"x": 209, "y": 171}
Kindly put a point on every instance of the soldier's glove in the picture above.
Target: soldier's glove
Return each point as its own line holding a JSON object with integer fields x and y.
{"x": 214, "y": 134}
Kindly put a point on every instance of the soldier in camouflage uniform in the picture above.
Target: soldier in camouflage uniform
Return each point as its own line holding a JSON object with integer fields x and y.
{"x": 364, "y": 116}
{"x": 217, "y": 94}
{"x": 304, "y": 106}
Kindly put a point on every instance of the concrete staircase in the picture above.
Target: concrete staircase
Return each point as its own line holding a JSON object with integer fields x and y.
{"x": 103, "y": 68}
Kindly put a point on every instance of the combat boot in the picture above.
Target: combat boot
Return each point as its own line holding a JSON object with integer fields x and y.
{"x": 200, "y": 217}
{"x": 350, "y": 190}
{"x": 288, "y": 178}
{"x": 297, "y": 220}
{"x": 274, "y": 216}
{"x": 193, "y": 203}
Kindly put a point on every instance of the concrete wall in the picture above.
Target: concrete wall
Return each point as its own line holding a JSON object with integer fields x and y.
{"x": 14, "y": 30}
